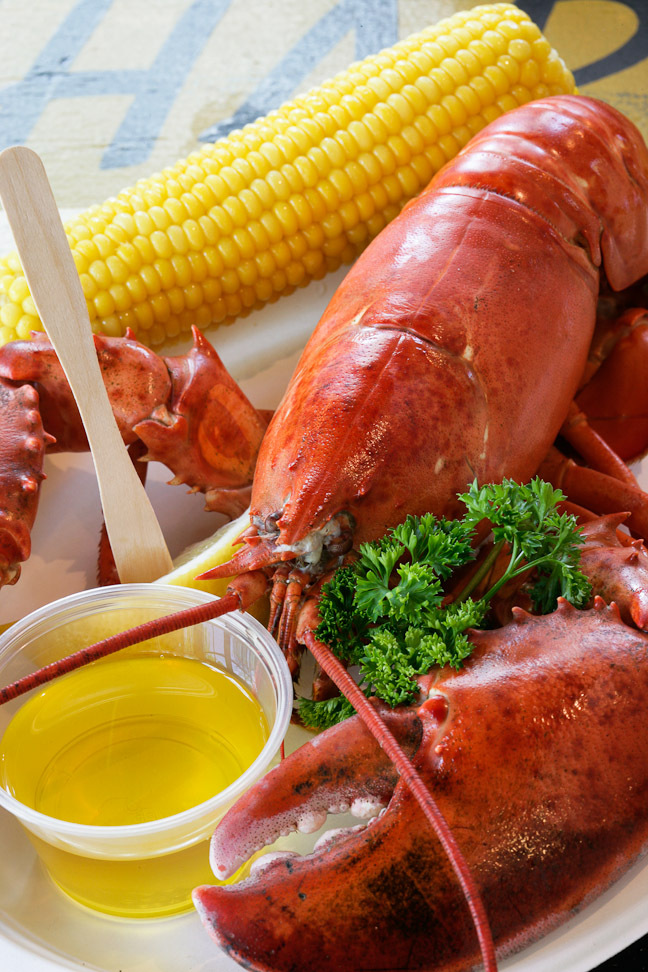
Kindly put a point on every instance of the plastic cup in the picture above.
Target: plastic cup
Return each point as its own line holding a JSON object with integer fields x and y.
{"x": 148, "y": 869}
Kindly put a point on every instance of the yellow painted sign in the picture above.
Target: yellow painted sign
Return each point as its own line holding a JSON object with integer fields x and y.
{"x": 108, "y": 91}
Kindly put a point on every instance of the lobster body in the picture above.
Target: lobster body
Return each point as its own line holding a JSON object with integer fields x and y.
{"x": 536, "y": 754}
{"x": 467, "y": 318}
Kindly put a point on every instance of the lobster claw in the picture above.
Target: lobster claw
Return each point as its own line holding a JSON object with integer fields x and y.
{"x": 342, "y": 769}
{"x": 536, "y": 754}
{"x": 338, "y": 767}
{"x": 617, "y": 567}
{"x": 209, "y": 434}
{"x": 22, "y": 446}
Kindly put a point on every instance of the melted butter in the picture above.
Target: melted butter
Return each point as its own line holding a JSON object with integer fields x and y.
{"x": 123, "y": 742}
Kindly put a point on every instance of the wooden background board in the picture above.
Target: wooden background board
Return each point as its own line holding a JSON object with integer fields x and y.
{"x": 108, "y": 91}
{"x": 111, "y": 90}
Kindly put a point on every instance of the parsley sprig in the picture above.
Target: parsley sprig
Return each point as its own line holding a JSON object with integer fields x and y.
{"x": 540, "y": 539}
{"x": 385, "y": 613}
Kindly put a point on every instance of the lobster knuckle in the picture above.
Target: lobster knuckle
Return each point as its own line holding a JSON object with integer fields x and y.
{"x": 136, "y": 379}
{"x": 210, "y": 433}
{"x": 22, "y": 448}
{"x": 617, "y": 568}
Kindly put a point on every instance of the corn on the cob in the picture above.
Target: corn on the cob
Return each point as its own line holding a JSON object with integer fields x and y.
{"x": 293, "y": 195}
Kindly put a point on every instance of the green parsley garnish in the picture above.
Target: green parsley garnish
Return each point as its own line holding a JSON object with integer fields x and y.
{"x": 385, "y": 612}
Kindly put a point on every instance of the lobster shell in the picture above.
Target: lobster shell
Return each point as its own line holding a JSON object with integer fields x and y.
{"x": 537, "y": 755}
{"x": 468, "y": 317}
{"x": 452, "y": 351}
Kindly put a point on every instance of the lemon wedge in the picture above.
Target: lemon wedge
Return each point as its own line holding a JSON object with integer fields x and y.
{"x": 208, "y": 553}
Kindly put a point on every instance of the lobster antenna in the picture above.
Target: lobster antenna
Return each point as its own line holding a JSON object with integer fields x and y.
{"x": 142, "y": 632}
{"x": 410, "y": 776}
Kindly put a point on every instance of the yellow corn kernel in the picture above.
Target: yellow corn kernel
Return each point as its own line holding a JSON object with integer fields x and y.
{"x": 294, "y": 194}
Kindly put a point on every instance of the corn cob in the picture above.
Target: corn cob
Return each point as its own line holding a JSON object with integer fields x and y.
{"x": 295, "y": 194}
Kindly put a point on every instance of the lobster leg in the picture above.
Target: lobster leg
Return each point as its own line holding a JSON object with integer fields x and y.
{"x": 296, "y": 582}
{"x": 578, "y": 431}
{"x": 615, "y": 398}
{"x": 22, "y": 447}
{"x": 278, "y": 595}
{"x": 607, "y": 423}
{"x": 595, "y": 490}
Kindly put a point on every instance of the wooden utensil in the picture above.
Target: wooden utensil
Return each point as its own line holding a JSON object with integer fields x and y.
{"x": 135, "y": 536}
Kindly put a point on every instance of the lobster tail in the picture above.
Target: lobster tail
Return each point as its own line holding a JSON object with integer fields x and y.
{"x": 570, "y": 159}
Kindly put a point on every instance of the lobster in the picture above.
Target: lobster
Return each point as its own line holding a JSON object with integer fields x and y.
{"x": 470, "y": 316}
{"x": 452, "y": 351}
{"x": 186, "y": 412}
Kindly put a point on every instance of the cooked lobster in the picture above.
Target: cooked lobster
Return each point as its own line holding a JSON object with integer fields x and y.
{"x": 455, "y": 346}
{"x": 453, "y": 351}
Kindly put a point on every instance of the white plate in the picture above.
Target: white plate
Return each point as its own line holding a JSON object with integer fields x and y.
{"x": 40, "y": 929}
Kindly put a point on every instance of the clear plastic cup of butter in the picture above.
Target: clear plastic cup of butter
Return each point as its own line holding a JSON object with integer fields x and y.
{"x": 120, "y": 771}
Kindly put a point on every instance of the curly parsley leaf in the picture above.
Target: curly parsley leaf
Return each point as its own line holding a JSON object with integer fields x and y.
{"x": 560, "y": 579}
{"x": 386, "y": 612}
{"x": 540, "y": 538}
{"x": 343, "y": 625}
{"x": 440, "y": 544}
{"x": 432, "y": 549}
{"x": 417, "y": 589}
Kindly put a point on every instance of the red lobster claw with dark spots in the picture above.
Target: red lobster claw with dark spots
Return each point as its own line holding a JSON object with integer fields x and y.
{"x": 537, "y": 756}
